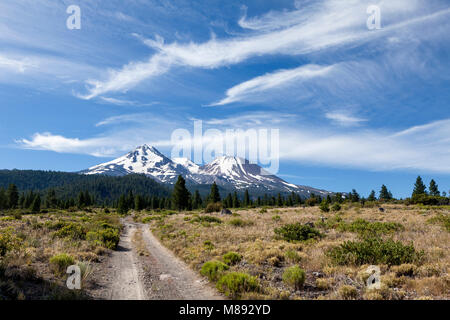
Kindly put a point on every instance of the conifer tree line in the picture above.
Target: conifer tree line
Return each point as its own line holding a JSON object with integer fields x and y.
{"x": 182, "y": 199}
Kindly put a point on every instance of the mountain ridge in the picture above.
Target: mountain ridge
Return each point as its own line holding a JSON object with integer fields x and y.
{"x": 227, "y": 171}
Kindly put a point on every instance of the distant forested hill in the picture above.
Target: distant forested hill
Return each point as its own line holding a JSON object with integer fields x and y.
{"x": 68, "y": 185}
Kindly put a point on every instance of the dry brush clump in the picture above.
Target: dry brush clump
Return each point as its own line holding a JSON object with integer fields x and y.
{"x": 409, "y": 243}
{"x": 36, "y": 250}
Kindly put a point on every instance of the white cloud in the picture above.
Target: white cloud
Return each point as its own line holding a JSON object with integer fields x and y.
{"x": 15, "y": 65}
{"x": 121, "y": 102}
{"x": 425, "y": 147}
{"x": 330, "y": 23}
{"x": 343, "y": 118}
{"x": 269, "y": 81}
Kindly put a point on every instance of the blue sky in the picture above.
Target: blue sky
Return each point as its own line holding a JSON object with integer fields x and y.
{"x": 355, "y": 107}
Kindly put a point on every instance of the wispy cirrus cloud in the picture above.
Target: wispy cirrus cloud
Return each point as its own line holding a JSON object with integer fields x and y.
{"x": 343, "y": 118}
{"x": 15, "y": 65}
{"x": 329, "y": 23}
{"x": 269, "y": 81}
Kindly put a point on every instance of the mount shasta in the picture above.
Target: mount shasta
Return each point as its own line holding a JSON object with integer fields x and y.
{"x": 228, "y": 172}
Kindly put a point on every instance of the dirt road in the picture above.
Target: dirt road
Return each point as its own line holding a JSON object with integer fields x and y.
{"x": 144, "y": 269}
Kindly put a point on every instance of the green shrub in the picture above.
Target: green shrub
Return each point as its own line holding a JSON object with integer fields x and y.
{"x": 348, "y": 292}
{"x": 366, "y": 228}
{"x": 292, "y": 255}
{"x": 213, "y": 269}
{"x": 235, "y": 283}
{"x": 213, "y": 207}
{"x": 108, "y": 238}
{"x": 443, "y": 220}
{"x": 324, "y": 206}
{"x": 238, "y": 222}
{"x": 151, "y": 218}
{"x": 428, "y": 200}
{"x": 206, "y": 219}
{"x": 60, "y": 262}
{"x": 8, "y": 241}
{"x": 73, "y": 231}
{"x": 294, "y": 276}
{"x": 208, "y": 244}
{"x": 336, "y": 207}
{"x": 276, "y": 218}
{"x": 17, "y": 215}
{"x": 374, "y": 251}
{"x": 297, "y": 232}
{"x": 231, "y": 258}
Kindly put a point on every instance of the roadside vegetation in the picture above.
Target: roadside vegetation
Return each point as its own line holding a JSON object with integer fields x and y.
{"x": 37, "y": 248}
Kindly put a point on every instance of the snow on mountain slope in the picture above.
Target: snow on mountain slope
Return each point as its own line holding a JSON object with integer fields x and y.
{"x": 228, "y": 172}
{"x": 188, "y": 164}
{"x": 143, "y": 160}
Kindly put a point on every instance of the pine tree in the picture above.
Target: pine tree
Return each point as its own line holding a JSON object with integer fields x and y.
{"x": 324, "y": 206}
{"x": 385, "y": 194}
{"x": 180, "y": 195}
{"x": 434, "y": 191}
{"x": 81, "y": 201}
{"x": 138, "y": 203}
{"x": 419, "y": 187}
{"x": 354, "y": 196}
{"x": 214, "y": 196}
{"x": 122, "y": 206}
{"x": 246, "y": 198}
{"x": 50, "y": 200}
{"x": 3, "y": 199}
{"x": 372, "y": 196}
{"x": 13, "y": 196}
{"x": 36, "y": 206}
{"x": 197, "y": 200}
{"x": 279, "y": 200}
{"x": 236, "y": 202}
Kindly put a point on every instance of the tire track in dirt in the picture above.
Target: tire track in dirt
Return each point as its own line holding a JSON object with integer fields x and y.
{"x": 157, "y": 274}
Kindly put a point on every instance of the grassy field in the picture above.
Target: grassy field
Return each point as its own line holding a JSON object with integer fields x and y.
{"x": 269, "y": 254}
{"x": 36, "y": 249}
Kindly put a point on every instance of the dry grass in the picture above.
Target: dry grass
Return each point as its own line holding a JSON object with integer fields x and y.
{"x": 26, "y": 266}
{"x": 266, "y": 257}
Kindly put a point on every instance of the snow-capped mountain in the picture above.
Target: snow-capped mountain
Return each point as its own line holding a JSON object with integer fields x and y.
{"x": 143, "y": 160}
{"x": 228, "y": 172}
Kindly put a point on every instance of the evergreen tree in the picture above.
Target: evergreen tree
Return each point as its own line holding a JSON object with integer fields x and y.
{"x": 354, "y": 196}
{"x": 324, "y": 205}
{"x": 3, "y": 199}
{"x": 122, "y": 206}
{"x": 236, "y": 202}
{"x": 138, "y": 203}
{"x": 214, "y": 196}
{"x": 50, "y": 200}
{"x": 81, "y": 202}
{"x": 180, "y": 195}
{"x": 197, "y": 200}
{"x": 36, "y": 206}
{"x": 385, "y": 194}
{"x": 372, "y": 196}
{"x": 13, "y": 196}
{"x": 279, "y": 200}
{"x": 246, "y": 198}
{"x": 419, "y": 187}
{"x": 434, "y": 191}
{"x": 228, "y": 202}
